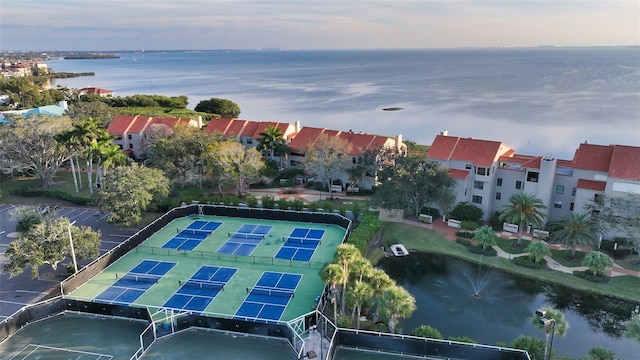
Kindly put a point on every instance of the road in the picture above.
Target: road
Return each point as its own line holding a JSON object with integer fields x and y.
{"x": 22, "y": 290}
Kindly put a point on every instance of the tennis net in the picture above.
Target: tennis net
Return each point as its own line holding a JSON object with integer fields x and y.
{"x": 272, "y": 292}
{"x": 296, "y": 240}
{"x": 139, "y": 278}
{"x": 246, "y": 236}
{"x": 200, "y": 232}
{"x": 201, "y": 284}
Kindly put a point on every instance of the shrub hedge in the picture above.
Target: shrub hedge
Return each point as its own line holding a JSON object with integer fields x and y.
{"x": 588, "y": 275}
{"x": 365, "y": 232}
{"x": 55, "y": 194}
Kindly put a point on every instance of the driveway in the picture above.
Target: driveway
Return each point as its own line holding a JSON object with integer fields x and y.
{"x": 22, "y": 290}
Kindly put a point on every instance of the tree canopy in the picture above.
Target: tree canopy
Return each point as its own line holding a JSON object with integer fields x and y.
{"x": 326, "y": 158}
{"x": 48, "y": 243}
{"x": 30, "y": 147}
{"x": 413, "y": 182}
{"x": 523, "y": 209}
{"x": 238, "y": 163}
{"x": 577, "y": 229}
{"x": 128, "y": 191}
{"x": 618, "y": 214}
{"x": 223, "y": 107}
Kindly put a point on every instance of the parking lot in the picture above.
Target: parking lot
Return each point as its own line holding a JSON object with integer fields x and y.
{"x": 23, "y": 290}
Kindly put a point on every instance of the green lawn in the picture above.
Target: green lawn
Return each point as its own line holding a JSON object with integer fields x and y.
{"x": 562, "y": 256}
{"x": 508, "y": 245}
{"x": 419, "y": 239}
{"x": 631, "y": 262}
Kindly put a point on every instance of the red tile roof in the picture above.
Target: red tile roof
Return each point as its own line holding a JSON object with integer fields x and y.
{"x": 139, "y": 124}
{"x": 525, "y": 161}
{"x": 94, "y": 91}
{"x": 476, "y": 151}
{"x": 244, "y": 128}
{"x": 593, "y": 157}
{"x": 592, "y": 184}
{"x": 459, "y": 174}
{"x": 120, "y": 124}
{"x": 359, "y": 142}
{"x": 625, "y": 162}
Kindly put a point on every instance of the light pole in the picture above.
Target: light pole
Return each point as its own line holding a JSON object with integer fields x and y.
{"x": 73, "y": 252}
{"x": 549, "y": 326}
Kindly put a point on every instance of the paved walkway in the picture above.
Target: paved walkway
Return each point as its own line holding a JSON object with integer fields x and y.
{"x": 308, "y": 196}
{"x": 450, "y": 234}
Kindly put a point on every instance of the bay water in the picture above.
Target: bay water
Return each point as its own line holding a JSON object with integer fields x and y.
{"x": 540, "y": 101}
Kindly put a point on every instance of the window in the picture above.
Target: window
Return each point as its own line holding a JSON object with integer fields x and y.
{"x": 571, "y": 206}
{"x": 130, "y": 146}
{"x": 354, "y": 160}
{"x": 468, "y": 166}
{"x": 532, "y": 176}
{"x": 249, "y": 141}
{"x": 499, "y": 182}
{"x": 573, "y": 191}
{"x": 498, "y": 196}
{"x": 478, "y": 185}
{"x": 595, "y": 213}
{"x": 476, "y": 199}
{"x": 518, "y": 185}
{"x": 599, "y": 199}
{"x": 560, "y": 189}
{"x": 482, "y": 171}
{"x": 557, "y": 204}
{"x": 129, "y": 136}
{"x": 120, "y": 146}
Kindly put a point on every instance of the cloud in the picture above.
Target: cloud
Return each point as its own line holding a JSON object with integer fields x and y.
{"x": 202, "y": 24}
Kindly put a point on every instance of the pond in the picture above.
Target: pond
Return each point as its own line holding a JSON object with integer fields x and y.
{"x": 463, "y": 299}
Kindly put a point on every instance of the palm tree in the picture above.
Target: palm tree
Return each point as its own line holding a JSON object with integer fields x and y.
{"x": 333, "y": 274}
{"x": 577, "y": 229}
{"x": 270, "y": 140}
{"x": 485, "y": 236}
{"x": 597, "y": 262}
{"x": 537, "y": 251}
{"x": 397, "y": 303}
{"x": 346, "y": 254}
{"x": 110, "y": 156}
{"x": 558, "y": 325}
{"x": 523, "y": 209}
{"x": 362, "y": 268}
{"x": 360, "y": 292}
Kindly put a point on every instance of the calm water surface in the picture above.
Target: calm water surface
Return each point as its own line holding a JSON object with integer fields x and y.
{"x": 443, "y": 289}
{"x": 539, "y": 101}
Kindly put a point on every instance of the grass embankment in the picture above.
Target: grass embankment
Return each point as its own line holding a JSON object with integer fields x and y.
{"x": 420, "y": 239}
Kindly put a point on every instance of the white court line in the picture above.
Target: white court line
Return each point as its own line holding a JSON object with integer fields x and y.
{"x": 13, "y": 302}
{"x": 32, "y": 292}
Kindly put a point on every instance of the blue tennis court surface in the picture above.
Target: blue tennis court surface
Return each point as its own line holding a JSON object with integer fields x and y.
{"x": 197, "y": 293}
{"x": 301, "y": 244}
{"x": 245, "y": 240}
{"x": 133, "y": 284}
{"x": 268, "y": 299}
{"x": 192, "y": 235}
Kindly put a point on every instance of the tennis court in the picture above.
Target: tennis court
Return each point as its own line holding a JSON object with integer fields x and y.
{"x": 190, "y": 237}
{"x": 195, "y": 283}
{"x": 197, "y": 293}
{"x": 34, "y": 351}
{"x": 245, "y": 240}
{"x": 136, "y": 282}
{"x": 301, "y": 244}
{"x": 268, "y": 299}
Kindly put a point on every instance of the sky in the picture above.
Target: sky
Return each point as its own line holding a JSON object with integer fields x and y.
{"x": 313, "y": 24}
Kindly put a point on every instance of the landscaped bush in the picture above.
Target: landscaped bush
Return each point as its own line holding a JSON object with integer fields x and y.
{"x": 252, "y": 201}
{"x": 268, "y": 202}
{"x": 477, "y": 249}
{"x": 466, "y": 212}
{"x": 463, "y": 242}
{"x": 469, "y": 225}
{"x": 313, "y": 207}
{"x": 465, "y": 234}
{"x": 296, "y": 204}
{"x": 588, "y": 275}
{"x": 365, "y": 232}
{"x": 283, "y": 204}
{"x": 525, "y": 261}
{"x": 55, "y": 194}
{"x": 328, "y": 207}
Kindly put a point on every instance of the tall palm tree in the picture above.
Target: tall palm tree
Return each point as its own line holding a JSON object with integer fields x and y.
{"x": 579, "y": 228}
{"x": 346, "y": 254}
{"x": 333, "y": 274}
{"x": 523, "y": 209}
{"x": 359, "y": 294}
{"x": 272, "y": 140}
{"x": 558, "y": 326}
{"x": 110, "y": 155}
